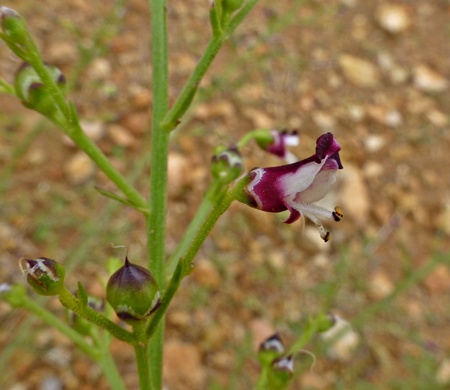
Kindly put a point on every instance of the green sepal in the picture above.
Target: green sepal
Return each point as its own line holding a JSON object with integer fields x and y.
{"x": 82, "y": 295}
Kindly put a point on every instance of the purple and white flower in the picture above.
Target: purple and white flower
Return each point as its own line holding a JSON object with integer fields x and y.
{"x": 297, "y": 186}
{"x": 279, "y": 142}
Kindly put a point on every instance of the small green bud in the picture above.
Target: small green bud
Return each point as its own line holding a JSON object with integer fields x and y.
{"x": 14, "y": 32}
{"x": 226, "y": 164}
{"x": 325, "y": 322}
{"x": 270, "y": 349}
{"x": 34, "y": 94}
{"x": 132, "y": 292}
{"x": 46, "y": 276}
{"x": 281, "y": 372}
{"x": 230, "y": 6}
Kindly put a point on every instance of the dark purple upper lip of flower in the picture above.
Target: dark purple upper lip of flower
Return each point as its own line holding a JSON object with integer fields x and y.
{"x": 267, "y": 187}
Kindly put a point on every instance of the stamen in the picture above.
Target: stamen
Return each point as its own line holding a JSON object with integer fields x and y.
{"x": 337, "y": 214}
{"x": 323, "y": 234}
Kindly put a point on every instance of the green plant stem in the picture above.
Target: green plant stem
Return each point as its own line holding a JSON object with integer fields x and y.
{"x": 211, "y": 197}
{"x": 156, "y": 220}
{"x": 56, "y": 323}
{"x": 72, "y": 303}
{"x": 184, "y": 266}
{"x": 187, "y": 94}
{"x": 141, "y": 351}
{"x": 98, "y": 352}
{"x": 143, "y": 365}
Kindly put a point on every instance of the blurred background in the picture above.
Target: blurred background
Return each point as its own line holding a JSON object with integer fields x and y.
{"x": 374, "y": 73}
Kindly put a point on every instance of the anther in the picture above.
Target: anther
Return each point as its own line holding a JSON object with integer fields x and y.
{"x": 337, "y": 214}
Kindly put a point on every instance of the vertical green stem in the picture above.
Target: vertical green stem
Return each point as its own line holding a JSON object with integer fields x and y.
{"x": 143, "y": 365}
{"x": 156, "y": 220}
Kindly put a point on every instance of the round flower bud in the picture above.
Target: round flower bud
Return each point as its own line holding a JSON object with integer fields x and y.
{"x": 44, "y": 275}
{"x": 281, "y": 373}
{"x": 226, "y": 164}
{"x": 132, "y": 292}
{"x": 271, "y": 349}
{"x": 34, "y": 94}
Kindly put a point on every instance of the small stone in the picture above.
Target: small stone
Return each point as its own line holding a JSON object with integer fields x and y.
{"x": 356, "y": 113}
{"x": 120, "y": 136}
{"x": 393, "y": 18}
{"x": 428, "y": 80}
{"x": 342, "y": 340}
{"x": 79, "y": 169}
{"x": 205, "y": 273}
{"x": 94, "y": 129}
{"x": 261, "y": 330}
{"x": 438, "y": 281}
{"x": 137, "y": 122}
{"x": 443, "y": 220}
{"x": 374, "y": 143}
{"x": 438, "y": 118}
{"x": 182, "y": 366}
{"x": 443, "y": 372}
{"x": 311, "y": 242}
{"x": 62, "y": 53}
{"x": 323, "y": 120}
{"x": 100, "y": 69}
{"x": 178, "y": 177}
{"x": 380, "y": 285}
{"x": 360, "y": 72}
{"x": 353, "y": 196}
{"x": 372, "y": 169}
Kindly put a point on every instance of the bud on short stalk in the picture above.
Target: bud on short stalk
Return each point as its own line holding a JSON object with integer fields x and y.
{"x": 271, "y": 349}
{"x": 226, "y": 164}
{"x": 35, "y": 95}
{"x": 14, "y": 32}
{"x": 132, "y": 292}
{"x": 44, "y": 275}
{"x": 281, "y": 373}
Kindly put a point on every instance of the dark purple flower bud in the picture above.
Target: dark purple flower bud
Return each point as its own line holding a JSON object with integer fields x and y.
{"x": 46, "y": 276}
{"x": 276, "y": 143}
{"x": 296, "y": 187}
{"x": 132, "y": 292}
{"x": 270, "y": 349}
{"x": 226, "y": 164}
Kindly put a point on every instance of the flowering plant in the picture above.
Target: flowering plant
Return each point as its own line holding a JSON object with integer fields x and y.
{"x": 140, "y": 296}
